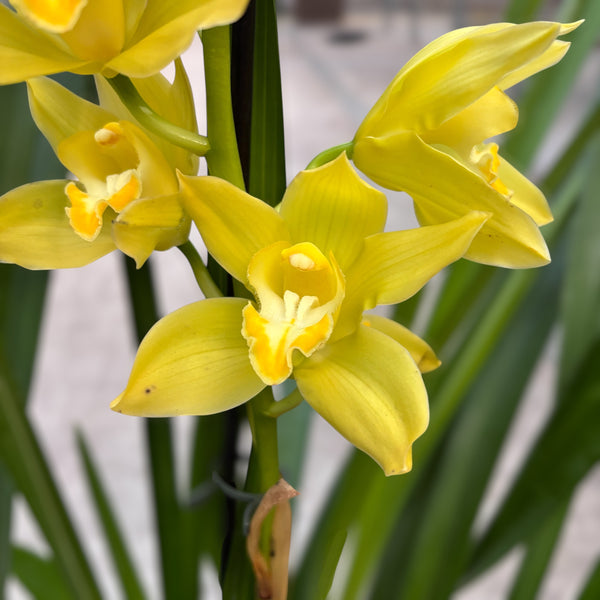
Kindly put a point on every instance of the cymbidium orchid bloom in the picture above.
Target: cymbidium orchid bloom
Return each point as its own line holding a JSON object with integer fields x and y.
{"x": 428, "y": 135}
{"x": 126, "y": 195}
{"x": 137, "y": 38}
{"x": 313, "y": 267}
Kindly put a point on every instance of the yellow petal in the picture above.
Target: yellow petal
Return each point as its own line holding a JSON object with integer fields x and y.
{"x": 333, "y": 208}
{"x": 150, "y": 224}
{"x": 444, "y": 188}
{"x": 59, "y": 113}
{"x": 397, "y": 264}
{"x": 166, "y": 29}
{"x": 550, "y": 57}
{"x": 299, "y": 292}
{"x": 369, "y": 388}
{"x": 233, "y": 224}
{"x": 27, "y": 52}
{"x": 490, "y": 115}
{"x": 173, "y": 101}
{"x": 99, "y": 33}
{"x": 51, "y": 16}
{"x": 420, "y": 350}
{"x": 35, "y": 231}
{"x": 443, "y": 82}
{"x": 194, "y": 361}
{"x": 525, "y": 195}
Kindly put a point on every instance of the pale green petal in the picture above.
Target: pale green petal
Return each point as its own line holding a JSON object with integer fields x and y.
{"x": 59, "y": 113}
{"x": 27, "y": 52}
{"x": 370, "y": 389}
{"x": 333, "y": 208}
{"x": 233, "y": 224}
{"x": 528, "y": 197}
{"x": 150, "y": 224}
{"x": 35, "y": 231}
{"x": 490, "y": 115}
{"x": 194, "y": 361}
{"x": 166, "y": 29}
{"x": 443, "y": 189}
{"x": 431, "y": 90}
{"x": 397, "y": 264}
{"x": 420, "y": 350}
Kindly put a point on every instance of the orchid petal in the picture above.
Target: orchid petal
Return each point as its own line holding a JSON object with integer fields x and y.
{"x": 27, "y": 52}
{"x": 420, "y": 350}
{"x": 490, "y": 115}
{"x": 166, "y": 29}
{"x": 59, "y": 113}
{"x": 429, "y": 91}
{"x": 444, "y": 188}
{"x": 369, "y": 388}
{"x": 150, "y": 224}
{"x": 334, "y": 208}
{"x": 526, "y": 196}
{"x": 397, "y": 264}
{"x": 194, "y": 361}
{"x": 233, "y": 224}
{"x": 99, "y": 33}
{"x": 172, "y": 101}
{"x": 35, "y": 231}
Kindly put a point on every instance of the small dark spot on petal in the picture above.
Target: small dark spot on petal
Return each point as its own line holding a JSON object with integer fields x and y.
{"x": 149, "y": 389}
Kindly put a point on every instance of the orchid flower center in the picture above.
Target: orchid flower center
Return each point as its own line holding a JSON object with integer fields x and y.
{"x": 485, "y": 158}
{"x": 299, "y": 292}
{"x": 117, "y": 190}
{"x": 56, "y": 16}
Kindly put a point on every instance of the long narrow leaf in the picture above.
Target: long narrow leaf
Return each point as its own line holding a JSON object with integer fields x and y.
{"x": 40, "y": 576}
{"x": 119, "y": 555}
{"x": 470, "y": 452}
{"x": 21, "y": 453}
{"x": 567, "y": 449}
{"x": 174, "y": 559}
{"x": 540, "y": 549}
{"x": 591, "y": 589}
{"x": 581, "y": 294}
{"x": 267, "y": 153}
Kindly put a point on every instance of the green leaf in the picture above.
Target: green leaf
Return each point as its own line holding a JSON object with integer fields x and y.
{"x": 346, "y": 498}
{"x": 591, "y": 589}
{"x": 178, "y": 566}
{"x": 566, "y": 450}
{"x": 267, "y": 153}
{"x": 540, "y": 548}
{"x": 119, "y": 555}
{"x": 581, "y": 293}
{"x": 520, "y": 11}
{"x": 40, "y": 576}
{"x": 22, "y": 455}
{"x": 470, "y": 450}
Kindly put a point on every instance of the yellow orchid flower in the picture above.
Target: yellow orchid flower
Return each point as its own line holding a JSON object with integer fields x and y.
{"x": 427, "y": 135}
{"x": 313, "y": 266}
{"x": 137, "y": 38}
{"x": 127, "y": 193}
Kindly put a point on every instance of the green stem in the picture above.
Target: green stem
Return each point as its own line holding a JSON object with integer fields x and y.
{"x": 223, "y": 158}
{"x": 264, "y": 470}
{"x": 152, "y": 121}
{"x": 205, "y": 281}
{"x": 284, "y": 405}
{"x": 330, "y": 154}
